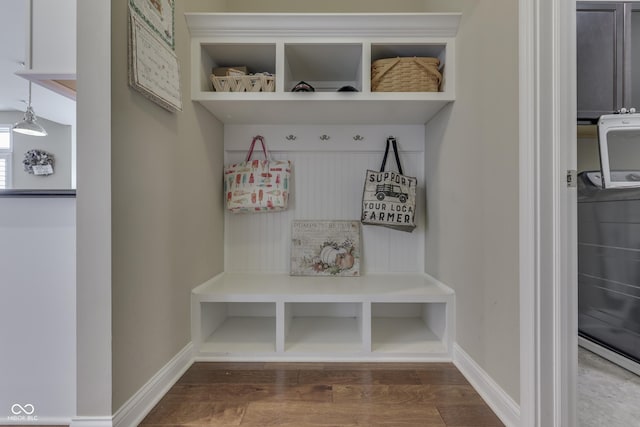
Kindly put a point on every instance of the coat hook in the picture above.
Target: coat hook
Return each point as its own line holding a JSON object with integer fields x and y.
{"x": 325, "y": 137}
{"x": 358, "y": 138}
{"x": 291, "y": 138}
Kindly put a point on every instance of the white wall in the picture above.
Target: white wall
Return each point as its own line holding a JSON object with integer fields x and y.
{"x": 37, "y": 307}
{"x": 58, "y": 142}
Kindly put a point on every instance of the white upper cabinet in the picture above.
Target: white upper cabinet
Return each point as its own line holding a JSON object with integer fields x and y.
{"x": 50, "y": 57}
{"x": 327, "y": 51}
{"x": 54, "y": 36}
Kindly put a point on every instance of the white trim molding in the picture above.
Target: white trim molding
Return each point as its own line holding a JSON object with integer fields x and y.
{"x": 548, "y": 284}
{"x": 142, "y": 402}
{"x": 498, "y": 400}
{"x": 323, "y": 24}
{"x": 93, "y": 210}
{"x": 528, "y": 227}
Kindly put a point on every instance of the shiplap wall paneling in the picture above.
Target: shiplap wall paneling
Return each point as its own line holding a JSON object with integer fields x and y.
{"x": 327, "y": 184}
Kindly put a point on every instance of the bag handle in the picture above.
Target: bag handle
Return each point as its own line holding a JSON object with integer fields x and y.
{"x": 253, "y": 143}
{"x": 430, "y": 67}
{"x": 384, "y": 70}
{"x": 395, "y": 151}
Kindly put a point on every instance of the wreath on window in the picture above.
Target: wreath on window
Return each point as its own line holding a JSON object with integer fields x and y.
{"x": 38, "y": 162}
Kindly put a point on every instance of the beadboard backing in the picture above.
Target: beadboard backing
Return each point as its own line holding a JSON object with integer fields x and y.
{"x": 329, "y": 165}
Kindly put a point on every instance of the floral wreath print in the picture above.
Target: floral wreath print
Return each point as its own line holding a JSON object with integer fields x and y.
{"x": 38, "y": 162}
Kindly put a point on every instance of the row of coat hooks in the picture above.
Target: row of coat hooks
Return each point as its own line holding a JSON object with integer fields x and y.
{"x": 323, "y": 137}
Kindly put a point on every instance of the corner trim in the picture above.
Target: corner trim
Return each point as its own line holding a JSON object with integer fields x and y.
{"x": 500, "y": 402}
{"x": 140, "y": 404}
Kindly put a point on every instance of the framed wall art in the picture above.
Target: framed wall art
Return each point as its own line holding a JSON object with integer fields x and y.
{"x": 158, "y": 15}
{"x": 325, "y": 248}
{"x": 153, "y": 66}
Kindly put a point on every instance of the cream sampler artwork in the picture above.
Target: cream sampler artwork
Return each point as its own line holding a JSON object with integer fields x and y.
{"x": 325, "y": 248}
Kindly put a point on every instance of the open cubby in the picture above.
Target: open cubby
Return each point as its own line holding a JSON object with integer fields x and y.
{"x": 326, "y": 67}
{"x": 323, "y": 327}
{"x": 238, "y": 327}
{"x": 328, "y": 51}
{"x": 256, "y": 57}
{"x": 408, "y": 327}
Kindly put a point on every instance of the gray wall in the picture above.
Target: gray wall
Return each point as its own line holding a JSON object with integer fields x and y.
{"x": 167, "y": 213}
{"x": 58, "y": 142}
{"x": 472, "y": 188}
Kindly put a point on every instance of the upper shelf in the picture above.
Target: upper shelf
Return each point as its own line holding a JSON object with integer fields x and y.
{"x": 327, "y": 51}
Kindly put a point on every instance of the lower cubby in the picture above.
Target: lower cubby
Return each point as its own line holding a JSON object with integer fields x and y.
{"x": 408, "y": 328}
{"x": 323, "y": 328}
{"x": 237, "y": 328}
{"x": 277, "y": 317}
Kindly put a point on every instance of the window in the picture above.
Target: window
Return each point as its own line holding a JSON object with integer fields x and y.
{"x": 5, "y": 157}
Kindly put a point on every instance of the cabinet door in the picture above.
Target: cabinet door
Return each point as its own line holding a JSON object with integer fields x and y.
{"x": 600, "y": 55}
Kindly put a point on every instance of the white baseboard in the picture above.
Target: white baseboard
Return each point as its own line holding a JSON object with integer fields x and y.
{"x": 498, "y": 400}
{"x": 51, "y": 421}
{"x": 141, "y": 403}
{"x": 92, "y": 422}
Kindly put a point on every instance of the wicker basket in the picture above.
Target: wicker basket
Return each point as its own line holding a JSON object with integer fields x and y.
{"x": 254, "y": 83}
{"x": 412, "y": 74}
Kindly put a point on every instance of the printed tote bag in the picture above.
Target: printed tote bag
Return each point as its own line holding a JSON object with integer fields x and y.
{"x": 389, "y": 198}
{"x": 257, "y": 185}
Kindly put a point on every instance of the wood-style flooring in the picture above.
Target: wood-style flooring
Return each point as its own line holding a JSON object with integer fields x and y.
{"x": 309, "y": 394}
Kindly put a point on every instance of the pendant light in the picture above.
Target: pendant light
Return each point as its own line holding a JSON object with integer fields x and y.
{"x": 28, "y": 125}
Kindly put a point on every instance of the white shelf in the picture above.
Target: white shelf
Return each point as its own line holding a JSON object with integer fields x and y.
{"x": 327, "y": 51}
{"x": 313, "y": 335}
{"x": 280, "y": 287}
{"x": 323, "y": 107}
{"x": 251, "y": 316}
{"x": 395, "y": 335}
{"x": 242, "y": 335}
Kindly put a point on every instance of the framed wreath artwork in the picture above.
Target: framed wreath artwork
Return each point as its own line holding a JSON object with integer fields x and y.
{"x": 38, "y": 162}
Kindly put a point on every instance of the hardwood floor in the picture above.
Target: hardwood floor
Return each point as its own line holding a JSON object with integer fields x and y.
{"x": 310, "y": 394}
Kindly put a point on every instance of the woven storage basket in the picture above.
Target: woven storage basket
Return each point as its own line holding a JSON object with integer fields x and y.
{"x": 256, "y": 83}
{"x": 413, "y": 74}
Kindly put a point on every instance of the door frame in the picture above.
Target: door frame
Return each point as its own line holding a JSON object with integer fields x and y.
{"x": 548, "y": 221}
